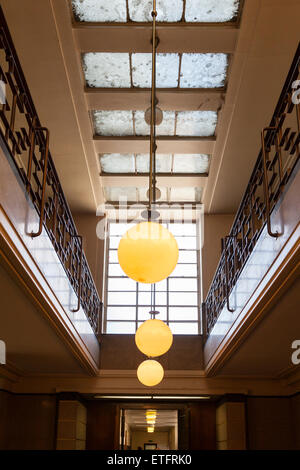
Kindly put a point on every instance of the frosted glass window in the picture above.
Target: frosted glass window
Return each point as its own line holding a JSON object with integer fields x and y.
{"x": 188, "y": 313}
{"x": 100, "y": 10}
{"x": 203, "y": 70}
{"x": 167, "y": 126}
{"x": 113, "y": 193}
{"x": 167, "y": 10}
{"x": 106, "y": 70}
{"x": 117, "y": 163}
{"x": 209, "y": 11}
{"x": 193, "y": 163}
{"x": 120, "y": 328}
{"x": 188, "y": 194}
{"x": 115, "y": 284}
{"x": 196, "y": 123}
{"x": 163, "y": 163}
{"x": 184, "y": 328}
{"x": 167, "y": 66}
{"x": 116, "y": 123}
{"x": 119, "y": 313}
{"x": 143, "y": 197}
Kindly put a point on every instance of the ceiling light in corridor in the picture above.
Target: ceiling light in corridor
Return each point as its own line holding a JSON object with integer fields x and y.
{"x": 153, "y": 338}
{"x": 150, "y": 373}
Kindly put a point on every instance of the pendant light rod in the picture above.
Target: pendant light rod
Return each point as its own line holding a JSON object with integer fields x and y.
{"x": 152, "y": 169}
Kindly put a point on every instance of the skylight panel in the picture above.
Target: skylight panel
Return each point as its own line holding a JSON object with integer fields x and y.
{"x": 113, "y": 123}
{"x": 117, "y": 163}
{"x": 143, "y": 197}
{"x": 113, "y": 193}
{"x": 167, "y": 66}
{"x": 210, "y": 11}
{"x": 163, "y": 163}
{"x": 196, "y": 123}
{"x": 100, "y": 10}
{"x": 167, "y": 126}
{"x": 106, "y": 70}
{"x": 203, "y": 70}
{"x": 167, "y": 10}
{"x": 191, "y": 163}
{"x": 185, "y": 194}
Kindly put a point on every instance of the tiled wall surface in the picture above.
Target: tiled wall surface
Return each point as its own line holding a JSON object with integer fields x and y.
{"x": 231, "y": 426}
{"x": 71, "y": 426}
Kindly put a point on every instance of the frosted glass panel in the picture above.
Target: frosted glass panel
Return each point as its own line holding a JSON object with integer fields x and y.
{"x": 143, "y": 197}
{"x": 123, "y": 328}
{"x": 115, "y": 193}
{"x": 100, "y": 10}
{"x": 167, "y": 127}
{"x": 106, "y": 70}
{"x": 193, "y": 163}
{"x": 209, "y": 11}
{"x": 117, "y": 163}
{"x": 203, "y": 70}
{"x": 167, "y": 66}
{"x": 167, "y": 10}
{"x": 163, "y": 163}
{"x": 188, "y": 194}
{"x": 184, "y": 328}
{"x": 116, "y": 123}
{"x": 121, "y": 313}
{"x": 196, "y": 123}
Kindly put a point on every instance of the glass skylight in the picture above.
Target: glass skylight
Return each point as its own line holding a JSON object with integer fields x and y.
{"x": 112, "y": 70}
{"x": 210, "y": 11}
{"x": 166, "y": 70}
{"x": 203, "y": 70}
{"x": 193, "y": 163}
{"x": 165, "y": 163}
{"x": 138, "y": 194}
{"x": 116, "y": 123}
{"x": 127, "y": 123}
{"x": 167, "y": 126}
{"x": 196, "y": 123}
{"x": 106, "y": 70}
{"x": 167, "y": 10}
{"x": 196, "y": 11}
{"x": 100, "y": 10}
{"x": 117, "y": 163}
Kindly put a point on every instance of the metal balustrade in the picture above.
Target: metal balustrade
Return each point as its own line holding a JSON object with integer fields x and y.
{"x": 274, "y": 167}
{"x": 28, "y": 145}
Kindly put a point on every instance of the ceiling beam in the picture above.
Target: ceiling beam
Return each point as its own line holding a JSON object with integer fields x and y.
{"x": 165, "y": 181}
{"x": 168, "y": 99}
{"x": 172, "y": 38}
{"x": 164, "y": 144}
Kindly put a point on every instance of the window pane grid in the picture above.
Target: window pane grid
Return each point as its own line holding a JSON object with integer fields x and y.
{"x": 178, "y": 305}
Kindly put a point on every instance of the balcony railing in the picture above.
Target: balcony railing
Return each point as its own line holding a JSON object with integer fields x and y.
{"x": 276, "y": 161}
{"x": 28, "y": 145}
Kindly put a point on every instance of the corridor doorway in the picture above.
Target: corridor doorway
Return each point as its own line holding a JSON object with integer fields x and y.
{"x": 137, "y": 434}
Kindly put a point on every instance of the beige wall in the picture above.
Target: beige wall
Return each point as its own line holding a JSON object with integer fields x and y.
{"x": 139, "y": 438}
{"x": 216, "y": 226}
{"x": 231, "y": 426}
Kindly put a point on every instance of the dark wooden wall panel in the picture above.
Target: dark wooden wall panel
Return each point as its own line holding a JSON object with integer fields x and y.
{"x": 202, "y": 426}
{"x": 102, "y": 426}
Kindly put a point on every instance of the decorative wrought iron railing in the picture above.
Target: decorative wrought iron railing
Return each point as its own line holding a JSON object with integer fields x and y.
{"x": 28, "y": 145}
{"x": 277, "y": 158}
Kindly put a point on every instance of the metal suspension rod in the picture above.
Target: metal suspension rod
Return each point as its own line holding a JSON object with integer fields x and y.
{"x": 152, "y": 169}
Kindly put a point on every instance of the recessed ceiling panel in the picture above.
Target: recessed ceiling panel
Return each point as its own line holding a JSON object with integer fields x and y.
{"x": 113, "y": 123}
{"x": 167, "y": 126}
{"x": 106, "y": 70}
{"x": 196, "y": 123}
{"x": 163, "y": 163}
{"x": 167, "y": 66}
{"x": 167, "y": 10}
{"x": 203, "y": 70}
{"x": 117, "y": 163}
{"x": 191, "y": 163}
{"x": 100, "y": 10}
{"x": 210, "y": 11}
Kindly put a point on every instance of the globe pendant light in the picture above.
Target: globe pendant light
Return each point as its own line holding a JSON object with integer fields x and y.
{"x": 148, "y": 252}
{"x": 153, "y": 338}
{"x": 150, "y": 373}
